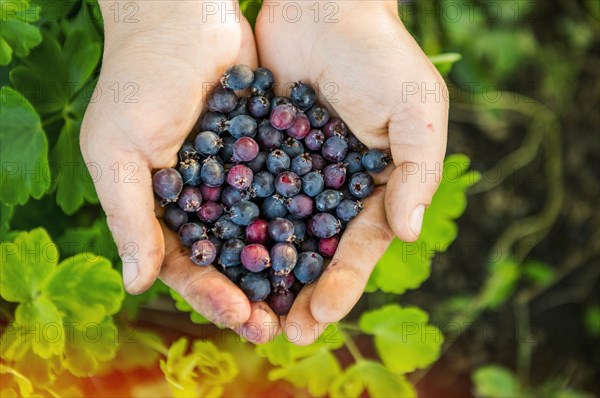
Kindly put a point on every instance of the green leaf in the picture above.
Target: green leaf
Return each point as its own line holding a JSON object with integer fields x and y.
{"x": 494, "y": 381}
{"x": 183, "y": 306}
{"x": 501, "y": 283}
{"x": 73, "y": 182}
{"x": 93, "y": 239}
{"x": 250, "y": 9}
{"x": 16, "y": 35}
{"x": 592, "y": 320}
{"x": 373, "y": 378}
{"x": 538, "y": 273}
{"x": 139, "y": 349}
{"x": 445, "y": 62}
{"x": 24, "y": 162}
{"x": 24, "y": 385}
{"x": 41, "y": 315}
{"x": 27, "y": 263}
{"x": 406, "y": 265}
{"x": 314, "y": 373}
{"x": 403, "y": 338}
{"x": 6, "y": 213}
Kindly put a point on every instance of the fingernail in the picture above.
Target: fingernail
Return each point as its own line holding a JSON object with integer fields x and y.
{"x": 416, "y": 219}
{"x": 130, "y": 273}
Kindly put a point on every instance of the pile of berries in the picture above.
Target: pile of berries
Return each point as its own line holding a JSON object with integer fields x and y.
{"x": 267, "y": 187}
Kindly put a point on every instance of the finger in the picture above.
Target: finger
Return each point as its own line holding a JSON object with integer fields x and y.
{"x": 263, "y": 325}
{"x": 207, "y": 290}
{"x": 300, "y": 327}
{"x": 417, "y": 134}
{"x": 365, "y": 240}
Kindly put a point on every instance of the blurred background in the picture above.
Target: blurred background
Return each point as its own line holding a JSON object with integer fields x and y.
{"x": 511, "y": 285}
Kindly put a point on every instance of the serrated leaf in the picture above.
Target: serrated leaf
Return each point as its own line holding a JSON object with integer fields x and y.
{"x": 494, "y": 381}
{"x": 314, "y": 373}
{"x": 501, "y": 283}
{"x": 17, "y": 37}
{"x": 73, "y": 182}
{"x": 407, "y": 265}
{"x": 373, "y": 378}
{"x": 403, "y": 338}
{"x": 27, "y": 262}
{"x": 41, "y": 316}
{"x": 25, "y": 161}
{"x": 184, "y": 306}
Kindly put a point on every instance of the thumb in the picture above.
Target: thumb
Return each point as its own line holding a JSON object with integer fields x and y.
{"x": 124, "y": 186}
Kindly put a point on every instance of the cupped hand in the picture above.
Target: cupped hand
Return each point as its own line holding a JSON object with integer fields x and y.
{"x": 370, "y": 72}
{"x": 157, "y": 67}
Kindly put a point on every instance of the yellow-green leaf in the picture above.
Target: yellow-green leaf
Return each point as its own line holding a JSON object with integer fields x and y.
{"x": 373, "y": 378}
{"x": 41, "y": 317}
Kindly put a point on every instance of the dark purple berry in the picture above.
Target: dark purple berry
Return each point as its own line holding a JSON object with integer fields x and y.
{"x": 283, "y": 258}
{"x": 255, "y": 257}
{"x": 258, "y": 231}
{"x": 335, "y": 149}
{"x": 318, "y": 116}
{"x": 231, "y": 196}
{"x": 335, "y": 127}
{"x": 255, "y": 286}
{"x": 324, "y": 225}
{"x": 245, "y": 149}
{"x": 281, "y": 301}
{"x": 375, "y": 161}
{"x": 300, "y": 128}
{"x": 259, "y": 106}
{"x": 314, "y": 140}
{"x": 299, "y": 228}
{"x": 190, "y": 199}
{"x": 240, "y": 177}
{"x": 210, "y": 194}
{"x": 354, "y": 143}
{"x": 283, "y": 282}
{"x": 313, "y": 183}
{"x": 258, "y": 163}
{"x": 235, "y": 273}
{"x": 348, "y": 209}
{"x": 309, "y": 267}
{"x": 226, "y": 152}
{"x": 187, "y": 152}
{"x": 288, "y": 184}
{"x": 240, "y": 109}
{"x": 300, "y": 206}
{"x": 276, "y": 101}
{"x": 308, "y": 245}
{"x": 292, "y": 147}
{"x": 242, "y": 126}
{"x": 214, "y": 121}
{"x": 191, "y": 232}
{"x": 244, "y": 212}
{"x": 210, "y": 212}
{"x": 222, "y": 100}
{"x": 208, "y": 143}
{"x": 334, "y": 175}
{"x": 174, "y": 217}
{"x": 190, "y": 171}
{"x": 353, "y": 161}
{"x": 231, "y": 252}
{"x": 328, "y": 246}
{"x": 303, "y": 96}
{"x": 212, "y": 172}
{"x": 278, "y": 161}
{"x": 203, "y": 252}
{"x": 226, "y": 229}
{"x": 263, "y": 184}
{"x": 237, "y": 77}
{"x": 167, "y": 184}
{"x": 268, "y": 137}
{"x": 263, "y": 81}
{"x": 217, "y": 242}
{"x": 281, "y": 230}
{"x": 318, "y": 161}
{"x": 302, "y": 164}
{"x": 283, "y": 116}
{"x": 328, "y": 200}
{"x": 361, "y": 185}
{"x": 274, "y": 207}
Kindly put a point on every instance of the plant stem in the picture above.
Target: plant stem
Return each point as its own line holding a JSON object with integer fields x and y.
{"x": 52, "y": 119}
{"x": 351, "y": 346}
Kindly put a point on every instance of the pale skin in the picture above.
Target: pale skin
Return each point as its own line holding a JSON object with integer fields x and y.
{"x": 369, "y": 58}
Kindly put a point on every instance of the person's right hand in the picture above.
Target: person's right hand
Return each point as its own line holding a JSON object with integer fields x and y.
{"x": 155, "y": 73}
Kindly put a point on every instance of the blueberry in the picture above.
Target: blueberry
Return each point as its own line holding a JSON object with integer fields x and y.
{"x": 224, "y": 228}
{"x": 299, "y": 228}
{"x": 375, "y": 161}
{"x": 263, "y": 81}
{"x": 334, "y": 175}
{"x": 313, "y": 183}
{"x": 217, "y": 242}
{"x": 214, "y": 121}
{"x": 353, "y": 161}
{"x": 222, "y": 100}
{"x": 187, "y": 152}
{"x": 361, "y": 185}
{"x": 288, "y": 184}
{"x": 242, "y": 126}
{"x": 231, "y": 252}
{"x": 303, "y": 96}
{"x": 235, "y": 273}
{"x": 283, "y": 116}
{"x": 231, "y": 196}
{"x": 292, "y": 147}
{"x": 244, "y": 212}
{"x": 318, "y": 116}
{"x": 301, "y": 164}
{"x": 314, "y": 140}
{"x": 245, "y": 149}
{"x": 300, "y": 128}
{"x": 328, "y": 200}
{"x": 281, "y": 301}
{"x": 348, "y": 209}
{"x": 335, "y": 149}
{"x": 278, "y": 161}
{"x": 324, "y": 225}
{"x": 335, "y": 127}
{"x": 283, "y": 282}
{"x": 259, "y": 106}
{"x": 318, "y": 161}
{"x": 174, "y": 217}
{"x": 237, "y": 77}
{"x": 167, "y": 184}
{"x": 210, "y": 194}
{"x": 269, "y": 137}
{"x": 274, "y": 207}
{"x": 281, "y": 230}
{"x": 263, "y": 184}
{"x": 300, "y": 206}
{"x": 191, "y": 232}
{"x": 308, "y": 245}
{"x": 255, "y": 286}
{"x": 210, "y": 212}
{"x": 309, "y": 267}
{"x": 190, "y": 171}
{"x": 190, "y": 199}
{"x": 240, "y": 109}
{"x": 258, "y": 163}
{"x": 227, "y": 151}
{"x": 240, "y": 177}
{"x": 283, "y": 258}
{"x": 212, "y": 173}
{"x": 258, "y": 231}
{"x": 328, "y": 246}
{"x": 255, "y": 257}
{"x": 203, "y": 252}
{"x": 276, "y": 101}
{"x": 354, "y": 144}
